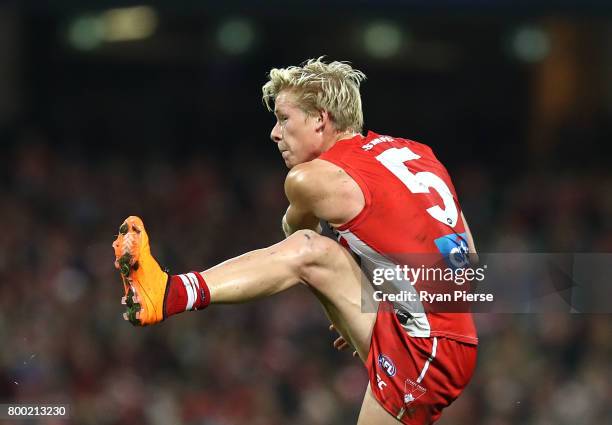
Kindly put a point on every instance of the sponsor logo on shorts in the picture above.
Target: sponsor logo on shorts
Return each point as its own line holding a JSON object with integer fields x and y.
{"x": 387, "y": 364}
{"x": 412, "y": 391}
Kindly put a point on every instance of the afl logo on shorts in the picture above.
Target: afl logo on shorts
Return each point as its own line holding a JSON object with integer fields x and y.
{"x": 386, "y": 364}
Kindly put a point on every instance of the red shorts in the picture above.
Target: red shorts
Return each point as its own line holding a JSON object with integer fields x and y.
{"x": 415, "y": 378}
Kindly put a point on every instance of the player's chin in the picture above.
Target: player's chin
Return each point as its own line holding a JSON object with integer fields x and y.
{"x": 288, "y": 160}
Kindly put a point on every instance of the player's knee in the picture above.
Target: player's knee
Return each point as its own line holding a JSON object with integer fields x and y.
{"x": 313, "y": 252}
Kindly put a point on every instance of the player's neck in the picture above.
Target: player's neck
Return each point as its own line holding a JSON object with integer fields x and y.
{"x": 345, "y": 135}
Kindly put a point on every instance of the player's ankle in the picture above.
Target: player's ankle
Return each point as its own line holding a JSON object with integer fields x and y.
{"x": 185, "y": 292}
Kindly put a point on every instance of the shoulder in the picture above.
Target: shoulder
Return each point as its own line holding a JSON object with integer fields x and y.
{"x": 315, "y": 177}
{"x": 326, "y": 189}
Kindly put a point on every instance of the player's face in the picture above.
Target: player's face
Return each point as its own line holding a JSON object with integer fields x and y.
{"x": 297, "y": 134}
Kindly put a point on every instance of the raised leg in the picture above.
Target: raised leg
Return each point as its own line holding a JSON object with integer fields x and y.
{"x": 321, "y": 264}
{"x": 306, "y": 258}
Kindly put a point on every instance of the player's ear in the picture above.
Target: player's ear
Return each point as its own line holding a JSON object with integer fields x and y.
{"x": 323, "y": 118}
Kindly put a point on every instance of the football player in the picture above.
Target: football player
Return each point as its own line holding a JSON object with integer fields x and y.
{"x": 379, "y": 195}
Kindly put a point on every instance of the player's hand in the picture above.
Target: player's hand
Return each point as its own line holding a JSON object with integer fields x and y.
{"x": 340, "y": 343}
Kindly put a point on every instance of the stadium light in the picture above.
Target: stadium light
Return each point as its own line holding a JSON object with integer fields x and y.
{"x": 86, "y": 32}
{"x": 530, "y": 44}
{"x": 236, "y": 36}
{"x": 129, "y": 23}
{"x": 382, "y": 40}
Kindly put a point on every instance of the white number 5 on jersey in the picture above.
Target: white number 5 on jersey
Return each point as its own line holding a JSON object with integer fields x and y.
{"x": 393, "y": 159}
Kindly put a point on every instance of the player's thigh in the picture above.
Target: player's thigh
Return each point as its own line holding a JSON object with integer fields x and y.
{"x": 372, "y": 413}
{"x": 332, "y": 274}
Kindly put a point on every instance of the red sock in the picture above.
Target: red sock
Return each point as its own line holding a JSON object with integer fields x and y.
{"x": 185, "y": 292}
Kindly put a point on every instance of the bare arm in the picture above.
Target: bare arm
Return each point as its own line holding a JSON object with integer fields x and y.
{"x": 318, "y": 190}
{"x": 301, "y": 194}
{"x": 471, "y": 246}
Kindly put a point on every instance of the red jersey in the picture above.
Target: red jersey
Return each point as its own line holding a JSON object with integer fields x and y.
{"x": 410, "y": 207}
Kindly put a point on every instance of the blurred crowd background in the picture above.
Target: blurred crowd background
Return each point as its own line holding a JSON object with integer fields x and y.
{"x": 107, "y": 112}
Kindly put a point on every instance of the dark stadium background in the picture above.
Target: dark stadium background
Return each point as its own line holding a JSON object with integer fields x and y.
{"x": 514, "y": 97}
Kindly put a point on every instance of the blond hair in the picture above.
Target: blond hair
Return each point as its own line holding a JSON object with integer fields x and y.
{"x": 320, "y": 86}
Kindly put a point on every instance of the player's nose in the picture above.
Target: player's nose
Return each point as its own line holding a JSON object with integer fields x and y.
{"x": 276, "y": 134}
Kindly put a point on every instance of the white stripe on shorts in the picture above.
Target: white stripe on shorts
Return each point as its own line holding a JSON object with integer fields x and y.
{"x": 433, "y": 355}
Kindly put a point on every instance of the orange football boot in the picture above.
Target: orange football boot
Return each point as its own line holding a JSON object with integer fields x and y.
{"x": 144, "y": 281}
